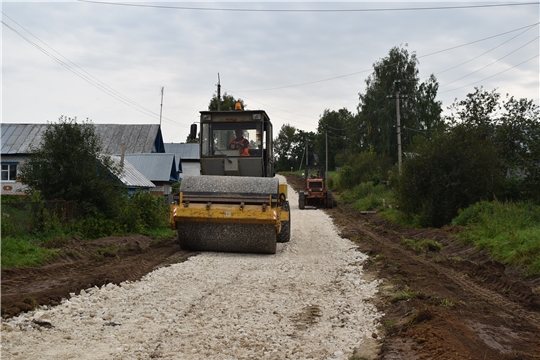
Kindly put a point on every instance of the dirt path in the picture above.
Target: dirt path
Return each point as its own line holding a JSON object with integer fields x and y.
{"x": 447, "y": 302}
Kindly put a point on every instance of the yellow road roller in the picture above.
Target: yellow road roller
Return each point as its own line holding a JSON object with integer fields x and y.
{"x": 236, "y": 204}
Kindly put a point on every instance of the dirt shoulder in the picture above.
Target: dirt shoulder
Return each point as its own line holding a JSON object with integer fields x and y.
{"x": 85, "y": 264}
{"x": 445, "y": 301}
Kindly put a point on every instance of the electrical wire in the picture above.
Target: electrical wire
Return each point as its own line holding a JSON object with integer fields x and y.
{"x": 310, "y": 10}
{"x": 489, "y": 77}
{"x": 484, "y": 53}
{"x": 389, "y": 65}
{"x": 499, "y": 59}
{"x": 78, "y": 71}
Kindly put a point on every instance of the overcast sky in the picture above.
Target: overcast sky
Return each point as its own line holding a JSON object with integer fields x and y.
{"x": 108, "y": 62}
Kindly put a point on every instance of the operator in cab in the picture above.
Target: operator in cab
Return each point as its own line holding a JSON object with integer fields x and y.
{"x": 240, "y": 143}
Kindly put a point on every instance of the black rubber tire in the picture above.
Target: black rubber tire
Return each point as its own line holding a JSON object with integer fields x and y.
{"x": 285, "y": 235}
{"x": 301, "y": 200}
{"x": 329, "y": 199}
{"x": 181, "y": 238}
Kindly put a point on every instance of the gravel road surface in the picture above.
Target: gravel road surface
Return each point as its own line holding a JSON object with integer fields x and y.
{"x": 309, "y": 301}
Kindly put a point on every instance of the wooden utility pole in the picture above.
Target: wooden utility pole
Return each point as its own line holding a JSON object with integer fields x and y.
{"x": 307, "y": 153}
{"x": 218, "y": 93}
{"x": 161, "y": 107}
{"x": 326, "y": 172}
{"x": 398, "y": 126}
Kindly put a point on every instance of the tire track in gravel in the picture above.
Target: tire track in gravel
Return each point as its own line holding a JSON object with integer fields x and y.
{"x": 461, "y": 280}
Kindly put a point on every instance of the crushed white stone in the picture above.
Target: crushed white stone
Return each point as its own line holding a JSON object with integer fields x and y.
{"x": 309, "y": 301}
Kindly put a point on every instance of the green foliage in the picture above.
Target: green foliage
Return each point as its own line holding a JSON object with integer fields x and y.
{"x": 456, "y": 169}
{"x": 423, "y": 245}
{"x": 289, "y": 148}
{"x": 16, "y": 221}
{"x": 12, "y": 199}
{"x": 153, "y": 211}
{"x": 228, "y": 102}
{"x": 367, "y": 196}
{"x": 509, "y": 231}
{"x": 17, "y": 252}
{"x": 334, "y": 131}
{"x": 141, "y": 213}
{"x": 68, "y": 165}
{"x": 96, "y": 226}
{"x": 483, "y": 155}
{"x": 364, "y": 167}
{"x": 375, "y": 124}
{"x": 406, "y": 294}
{"x": 346, "y": 180}
{"x": 176, "y": 187}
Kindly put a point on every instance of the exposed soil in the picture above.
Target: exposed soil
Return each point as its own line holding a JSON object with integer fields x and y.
{"x": 444, "y": 301}
{"x": 84, "y": 264}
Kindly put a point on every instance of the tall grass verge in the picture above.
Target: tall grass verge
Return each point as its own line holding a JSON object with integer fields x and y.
{"x": 367, "y": 196}
{"x": 510, "y": 232}
{"x": 141, "y": 213}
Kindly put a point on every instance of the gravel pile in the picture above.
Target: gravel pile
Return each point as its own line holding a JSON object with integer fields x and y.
{"x": 309, "y": 301}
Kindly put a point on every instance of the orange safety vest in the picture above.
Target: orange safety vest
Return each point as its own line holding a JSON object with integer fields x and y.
{"x": 242, "y": 146}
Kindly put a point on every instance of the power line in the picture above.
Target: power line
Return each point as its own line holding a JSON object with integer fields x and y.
{"x": 484, "y": 53}
{"x": 499, "y": 59}
{"x": 369, "y": 70}
{"x": 489, "y": 77}
{"x": 310, "y": 10}
{"x": 78, "y": 71}
{"x": 480, "y": 40}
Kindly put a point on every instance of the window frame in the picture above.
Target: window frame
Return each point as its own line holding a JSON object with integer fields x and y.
{"x": 10, "y": 171}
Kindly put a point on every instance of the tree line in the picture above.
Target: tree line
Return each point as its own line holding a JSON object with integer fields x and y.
{"x": 487, "y": 148}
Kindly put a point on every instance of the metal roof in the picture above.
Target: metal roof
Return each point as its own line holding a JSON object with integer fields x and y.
{"x": 19, "y": 138}
{"x": 131, "y": 177}
{"x": 184, "y": 151}
{"x": 156, "y": 167}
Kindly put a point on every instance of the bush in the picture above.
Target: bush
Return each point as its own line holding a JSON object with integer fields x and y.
{"x": 153, "y": 211}
{"x": 364, "y": 167}
{"x": 455, "y": 170}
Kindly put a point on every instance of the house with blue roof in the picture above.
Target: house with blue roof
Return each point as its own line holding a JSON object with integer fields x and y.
{"x": 17, "y": 141}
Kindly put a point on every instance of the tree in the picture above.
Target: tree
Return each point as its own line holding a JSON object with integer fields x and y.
{"x": 283, "y": 146}
{"x": 513, "y": 126}
{"x": 68, "y": 164}
{"x": 376, "y": 122}
{"x": 450, "y": 172}
{"x": 334, "y": 126}
{"x": 289, "y": 148}
{"x": 189, "y": 140}
{"x": 490, "y": 149}
{"x": 228, "y": 102}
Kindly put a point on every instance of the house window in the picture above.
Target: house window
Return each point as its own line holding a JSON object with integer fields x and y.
{"x": 9, "y": 171}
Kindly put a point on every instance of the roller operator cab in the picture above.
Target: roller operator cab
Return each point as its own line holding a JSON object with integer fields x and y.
{"x": 223, "y": 152}
{"x": 236, "y": 204}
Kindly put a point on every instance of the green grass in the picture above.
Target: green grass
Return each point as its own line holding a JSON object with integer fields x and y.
{"x": 19, "y": 252}
{"x": 423, "y": 245}
{"x": 159, "y": 233}
{"x": 510, "y": 232}
{"x": 406, "y": 294}
{"x": 366, "y": 196}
